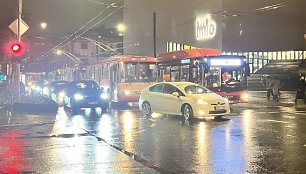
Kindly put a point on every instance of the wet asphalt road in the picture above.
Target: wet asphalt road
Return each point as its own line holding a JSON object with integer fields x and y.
{"x": 259, "y": 137}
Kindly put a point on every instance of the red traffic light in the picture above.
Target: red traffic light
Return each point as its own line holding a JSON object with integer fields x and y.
{"x": 16, "y": 48}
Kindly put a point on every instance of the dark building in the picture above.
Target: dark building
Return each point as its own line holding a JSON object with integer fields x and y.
{"x": 229, "y": 25}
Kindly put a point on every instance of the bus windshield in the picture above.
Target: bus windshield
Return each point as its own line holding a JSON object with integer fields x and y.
{"x": 139, "y": 72}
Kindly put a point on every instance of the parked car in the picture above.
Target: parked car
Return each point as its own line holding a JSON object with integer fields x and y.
{"x": 55, "y": 90}
{"x": 85, "y": 94}
{"x": 182, "y": 98}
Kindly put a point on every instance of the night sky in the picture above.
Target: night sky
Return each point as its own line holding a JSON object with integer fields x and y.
{"x": 63, "y": 16}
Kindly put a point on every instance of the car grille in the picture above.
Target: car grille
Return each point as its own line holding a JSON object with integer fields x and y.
{"x": 218, "y": 111}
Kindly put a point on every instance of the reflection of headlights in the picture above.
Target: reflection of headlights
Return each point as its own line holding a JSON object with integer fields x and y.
{"x": 62, "y": 94}
{"x": 127, "y": 92}
{"x": 244, "y": 96}
{"x": 78, "y": 97}
{"x": 202, "y": 102}
{"x": 104, "y": 96}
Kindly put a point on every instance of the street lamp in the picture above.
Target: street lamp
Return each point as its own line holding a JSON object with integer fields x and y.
{"x": 58, "y": 52}
{"x": 43, "y": 25}
{"x": 70, "y": 55}
{"x": 121, "y": 28}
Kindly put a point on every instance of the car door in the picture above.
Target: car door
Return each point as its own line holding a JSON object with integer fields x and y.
{"x": 155, "y": 98}
{"x": 172, "y": 104}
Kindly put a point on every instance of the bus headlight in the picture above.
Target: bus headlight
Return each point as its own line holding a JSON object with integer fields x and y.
{"x": 244, "y": 96}
{"x": 127, "y": 92}
{"x": 78, "y": 97}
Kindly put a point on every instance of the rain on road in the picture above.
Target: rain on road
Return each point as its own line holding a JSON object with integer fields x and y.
{"x": 259, "y": 137}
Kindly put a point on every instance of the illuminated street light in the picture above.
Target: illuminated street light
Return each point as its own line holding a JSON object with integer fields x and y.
{"x": 70, "y": 55}
{"x": 43, "y": 25}
{"x": 59, "y": 52}
{"x": 121, "y": 28}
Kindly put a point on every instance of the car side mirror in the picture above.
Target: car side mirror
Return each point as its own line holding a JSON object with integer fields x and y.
{"x": 176, "y": 94}
{"x": 101, "y": 88}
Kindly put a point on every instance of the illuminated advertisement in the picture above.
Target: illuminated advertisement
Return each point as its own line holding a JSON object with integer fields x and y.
{"x": 206, "y": 28}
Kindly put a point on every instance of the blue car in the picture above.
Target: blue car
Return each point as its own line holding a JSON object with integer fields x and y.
{"x": 85, "y": 94}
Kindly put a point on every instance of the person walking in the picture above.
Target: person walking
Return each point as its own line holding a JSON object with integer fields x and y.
{"x": 267, "y": 82}
{"x": 300, "y": 93}
{"x": 275, "y": 86}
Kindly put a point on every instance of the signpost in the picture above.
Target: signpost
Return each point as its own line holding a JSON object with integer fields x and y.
{"x": 19, "y": 27}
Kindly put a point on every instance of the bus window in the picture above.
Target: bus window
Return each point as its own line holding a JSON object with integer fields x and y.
{"x": 139, "y": 72}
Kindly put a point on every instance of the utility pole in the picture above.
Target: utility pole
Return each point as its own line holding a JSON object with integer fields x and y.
{"x": 19, "y": 19}
{"x": 154, "y": 34}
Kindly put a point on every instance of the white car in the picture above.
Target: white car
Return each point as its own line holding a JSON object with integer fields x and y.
{"x": 182, "y": 98}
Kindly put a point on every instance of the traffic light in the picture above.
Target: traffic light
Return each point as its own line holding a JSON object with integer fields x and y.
{"x": 16, "y": 48}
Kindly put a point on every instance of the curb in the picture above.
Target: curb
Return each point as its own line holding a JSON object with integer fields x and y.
{"x": 50, "y": 107}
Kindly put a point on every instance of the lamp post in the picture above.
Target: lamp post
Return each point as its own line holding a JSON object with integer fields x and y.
{"x": 121, "y": 28}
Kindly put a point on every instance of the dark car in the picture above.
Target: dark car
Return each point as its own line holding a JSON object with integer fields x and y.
{"x": 55, "y": 90}
{"x": 85, "y": 94}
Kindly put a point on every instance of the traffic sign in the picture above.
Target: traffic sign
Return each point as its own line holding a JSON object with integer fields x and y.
{"x": 23, "y": 27}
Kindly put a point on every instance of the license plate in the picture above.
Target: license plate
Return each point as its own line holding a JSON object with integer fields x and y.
{"x": 222, "y": 107}
{"x": 92, "y": 103}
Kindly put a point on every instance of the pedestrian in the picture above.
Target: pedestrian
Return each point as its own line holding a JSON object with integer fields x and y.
{"x": 267, "y": 82}
{"x": 275, "y": 86}
{"x": 300, "y": 91}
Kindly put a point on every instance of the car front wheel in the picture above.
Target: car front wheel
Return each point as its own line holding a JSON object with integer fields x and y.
{"x": 146, "y": 109}
{"x": 187, "y": 112}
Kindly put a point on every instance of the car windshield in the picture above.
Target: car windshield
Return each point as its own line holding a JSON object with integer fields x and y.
{"x": 196, "y": 89}
{"x": 85, "y": 86}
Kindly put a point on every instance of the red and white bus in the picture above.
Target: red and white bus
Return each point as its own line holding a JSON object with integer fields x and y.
{"x": 223, "y": 74}
{"x": 123, "y": 76}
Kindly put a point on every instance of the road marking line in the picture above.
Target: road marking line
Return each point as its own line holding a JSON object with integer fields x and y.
{"x": 278, "y": 121}
{"x": 153, "y": 125}
{"x": 300, "y": 113}
{"x": 140, "y": 131}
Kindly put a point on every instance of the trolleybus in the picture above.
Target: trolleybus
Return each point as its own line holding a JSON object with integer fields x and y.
{"x": 225, "y": 75}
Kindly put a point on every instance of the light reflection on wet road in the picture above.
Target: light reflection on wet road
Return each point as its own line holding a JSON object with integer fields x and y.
{"x": 257, "y": 138}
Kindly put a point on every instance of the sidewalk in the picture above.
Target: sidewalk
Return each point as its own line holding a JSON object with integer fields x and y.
{"x": 258, "y": 99}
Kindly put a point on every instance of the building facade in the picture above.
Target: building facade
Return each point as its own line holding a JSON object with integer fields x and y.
{"x": 228, "y": 25}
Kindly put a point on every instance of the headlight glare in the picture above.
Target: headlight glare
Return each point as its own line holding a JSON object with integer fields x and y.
{"x": 78, "y": 97}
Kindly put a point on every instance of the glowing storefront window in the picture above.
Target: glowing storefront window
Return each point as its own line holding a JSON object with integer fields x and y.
{"x": 225, "y": 62}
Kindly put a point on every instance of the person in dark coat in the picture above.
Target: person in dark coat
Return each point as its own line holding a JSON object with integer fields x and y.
{"x": 300, "y": 92}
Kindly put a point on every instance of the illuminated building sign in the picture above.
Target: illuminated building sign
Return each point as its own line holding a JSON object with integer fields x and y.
{"x": 225, "y": 62}
{"x": 206, "y": 28}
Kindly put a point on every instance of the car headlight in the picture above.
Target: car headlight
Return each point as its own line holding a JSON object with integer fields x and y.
{"x": 226, "y": 100}
{"x": 104, "y": 96}
{"x": 46, "y": 91}
{"x": 78, "y": 97}
{"x": 62, "y": 94}
{"x": 201, "y": 102}
{"x": 127, "y": 92}
{"x": 38, "y": 88}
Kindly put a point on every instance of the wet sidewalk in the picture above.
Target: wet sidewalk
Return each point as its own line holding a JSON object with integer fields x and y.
{"x": 259, "y": 98}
